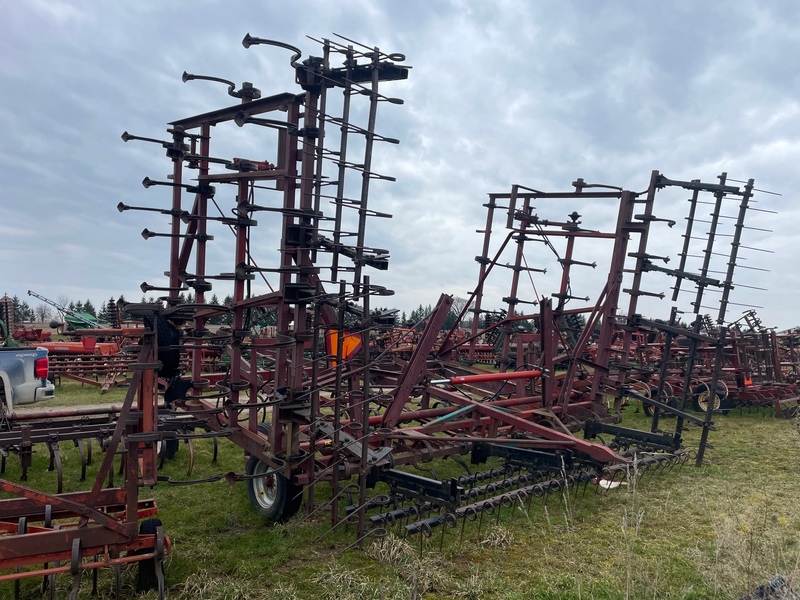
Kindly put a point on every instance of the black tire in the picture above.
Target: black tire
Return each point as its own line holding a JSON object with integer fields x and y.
{"x": 647, "y": 409}
{"x": 263, "y": 429}
{"x": 146, "y": 578}
{"x": 701, "y": 394}
{"x": 274, "y": 497}
{"x": 167, "y": 449}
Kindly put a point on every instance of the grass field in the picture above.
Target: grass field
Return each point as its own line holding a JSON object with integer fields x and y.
{"x": 710, "y": 532}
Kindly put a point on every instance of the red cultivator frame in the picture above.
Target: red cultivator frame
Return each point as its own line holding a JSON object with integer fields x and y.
{"x": 326, "y": 398}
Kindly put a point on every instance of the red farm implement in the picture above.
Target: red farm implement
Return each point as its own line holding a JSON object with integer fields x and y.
{"x": 333, "y": 395}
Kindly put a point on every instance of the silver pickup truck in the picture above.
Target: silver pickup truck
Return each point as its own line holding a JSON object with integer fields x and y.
{"x": 23, "y": 376}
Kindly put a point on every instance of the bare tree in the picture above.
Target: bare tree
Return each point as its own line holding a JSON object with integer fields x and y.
{"x": 43, "y": 313}
{"x": 62, "y": 300}
{"x": 458, "y": 306}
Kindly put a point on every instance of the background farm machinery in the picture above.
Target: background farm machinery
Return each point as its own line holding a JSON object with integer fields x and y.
{"x": 337, "y": 396}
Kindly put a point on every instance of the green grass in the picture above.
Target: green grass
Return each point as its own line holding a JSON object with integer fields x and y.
{"x": 710, "y": 532}
{"x": 73, "y": 393}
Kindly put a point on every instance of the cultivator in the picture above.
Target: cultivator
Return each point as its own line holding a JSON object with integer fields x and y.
{"x": 329, "y": 398}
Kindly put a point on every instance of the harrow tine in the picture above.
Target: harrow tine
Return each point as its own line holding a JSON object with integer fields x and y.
{"x": 94, "y": 579}
{"x": 376, "y": 532}
{"x": 55, "y": 464}
{"x": 79, "y": 443}
{"x": 191, "y": 457}
{"x": 117, "y": 580}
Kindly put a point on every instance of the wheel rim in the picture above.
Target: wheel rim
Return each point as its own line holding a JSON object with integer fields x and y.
{"x": 265, "y": 488}
{"x": 702, "y": 400}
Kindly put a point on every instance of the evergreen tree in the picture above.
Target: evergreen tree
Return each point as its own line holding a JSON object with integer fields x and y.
{"x": 227, "y": 318}
{"x": 27, "y": 312}
{"x": 17, "y": 308}
{"x": 108, "y": 312}
{"x": 88, "y": 307}
{"x": 216, "y": 319}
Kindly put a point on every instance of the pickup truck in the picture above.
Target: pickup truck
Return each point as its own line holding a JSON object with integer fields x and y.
{"x": 23, "y": 376}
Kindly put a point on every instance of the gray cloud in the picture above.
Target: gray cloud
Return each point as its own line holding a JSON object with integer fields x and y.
{"x": 500, "y": 93}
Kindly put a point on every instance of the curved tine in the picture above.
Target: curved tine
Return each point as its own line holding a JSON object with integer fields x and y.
{"x": 656, "y": 466}
{"x": 424, "y": 470}
{"x": 673, "y": 460}
{"x": 377, "y": 533}
{"x": 117, "y": 580}
{"x": 79, "y": 443}
{"x": 215, "y": 453}
{"x": 51, "y": 466}
{"x": 75, "y": 569}
{"x": 320, "y": 507}
{"x": 191, "y": 457}
{"x": 55, "y": 457}
{"x": 666, "y": 463}
{"x": 94, "y": 579}
{"x": 51, "y": 592}
{"x": 111, "y": 476}
{"x": 88, "y": 451}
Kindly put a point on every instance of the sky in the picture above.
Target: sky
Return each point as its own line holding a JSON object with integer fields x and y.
{"x": 500, "y": 93}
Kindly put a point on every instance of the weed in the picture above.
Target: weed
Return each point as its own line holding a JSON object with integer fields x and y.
{"x": 498, "y": 537}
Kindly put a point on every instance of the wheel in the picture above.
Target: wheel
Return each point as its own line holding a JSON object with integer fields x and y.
{"x": 167, "y": 449}
{"x": 643, "y": 389}
{"x": 648, "y": 409}
{"x": 146, "y": 578}
{"x": 702, "y": 393}
{"x": 263, "y": 429}
{"x": 666, "y": 398}
{"x": 274, "y": 496}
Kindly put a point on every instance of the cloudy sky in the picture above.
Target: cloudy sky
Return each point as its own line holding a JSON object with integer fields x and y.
{"x": 500, "y": 93}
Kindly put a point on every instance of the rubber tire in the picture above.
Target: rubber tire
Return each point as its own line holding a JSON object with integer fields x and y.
{"x": 285, "y": 498}
{"x": 702, "y": 389}
{"x": 647, "y": 409}
{"x": 263, "y": 429}
{"x": 167, "y": 449}
{"x": 146, "y": 578}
